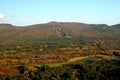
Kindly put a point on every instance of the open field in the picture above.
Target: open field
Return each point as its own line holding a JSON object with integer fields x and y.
{"x": 81, "y": 60}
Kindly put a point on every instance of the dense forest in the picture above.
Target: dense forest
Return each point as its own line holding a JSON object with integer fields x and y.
{"x": 100, "y": 70}
{"x": 56, "y": 50}
{"x": 60, "y": 51}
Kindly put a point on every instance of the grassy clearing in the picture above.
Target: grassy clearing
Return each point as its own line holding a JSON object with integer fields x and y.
{"x": 86, "y": 60}
{"x": 76, "y": 60}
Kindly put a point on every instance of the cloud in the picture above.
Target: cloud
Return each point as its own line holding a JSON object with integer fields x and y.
{"x": 2, "y": 16}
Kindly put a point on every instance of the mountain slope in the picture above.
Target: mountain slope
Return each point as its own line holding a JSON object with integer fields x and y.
{"x": 59, "y": 30}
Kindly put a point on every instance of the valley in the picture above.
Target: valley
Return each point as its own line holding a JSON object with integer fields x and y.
{"x": 30, "y": 52}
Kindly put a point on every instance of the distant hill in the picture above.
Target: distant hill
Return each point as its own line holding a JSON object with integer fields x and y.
{"x": 58, "y": 30}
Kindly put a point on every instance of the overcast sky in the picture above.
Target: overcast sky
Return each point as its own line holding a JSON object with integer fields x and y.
{"x": 27, "y": 12}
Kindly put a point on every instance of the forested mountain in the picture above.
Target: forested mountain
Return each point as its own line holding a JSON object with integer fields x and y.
{"x": 60, "y": 51}
{"x": 59, "y": 30}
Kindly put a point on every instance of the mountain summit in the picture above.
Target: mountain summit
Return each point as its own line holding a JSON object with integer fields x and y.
{"x": 60, "y": 30}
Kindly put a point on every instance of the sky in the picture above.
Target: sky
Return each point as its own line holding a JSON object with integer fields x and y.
{"x": 28, "y": 12}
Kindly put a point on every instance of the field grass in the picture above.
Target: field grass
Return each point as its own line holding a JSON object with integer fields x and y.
{"x": 87, "y": 60}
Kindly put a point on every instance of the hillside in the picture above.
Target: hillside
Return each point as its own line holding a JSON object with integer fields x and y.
{"x": 59, "y": 47}
{"x": 59, "y": 30}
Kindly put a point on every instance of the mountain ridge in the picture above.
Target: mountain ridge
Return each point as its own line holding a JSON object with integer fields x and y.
{"x": 59, "y": 30}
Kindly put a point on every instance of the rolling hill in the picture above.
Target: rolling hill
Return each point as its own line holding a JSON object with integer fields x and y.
{"x": 58, "y": 30}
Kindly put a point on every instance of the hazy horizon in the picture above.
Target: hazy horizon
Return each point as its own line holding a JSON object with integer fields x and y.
{"x": 25, "y": 12}
{"x": 57, "y": 22}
